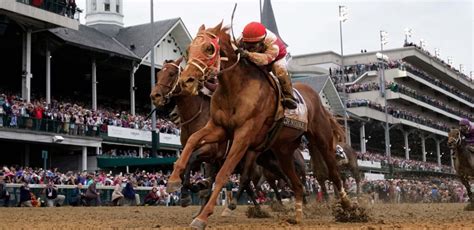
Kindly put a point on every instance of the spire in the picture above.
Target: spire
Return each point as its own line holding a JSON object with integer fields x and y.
{"x": 267, "y": 17}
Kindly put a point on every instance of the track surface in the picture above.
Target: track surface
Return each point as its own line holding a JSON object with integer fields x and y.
{"x": 407, "y": 216}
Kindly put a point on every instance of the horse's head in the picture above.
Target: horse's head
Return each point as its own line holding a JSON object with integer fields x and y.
{"x": 454, "y": 138}
{"x": 166, "y": 82}
{"x": 204, "y": 57}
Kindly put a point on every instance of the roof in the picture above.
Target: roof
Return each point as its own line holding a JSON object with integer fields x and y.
{"x": 317, "y": 82}
{"x": 139, "y": 35}
{"x": 88, "y": 37}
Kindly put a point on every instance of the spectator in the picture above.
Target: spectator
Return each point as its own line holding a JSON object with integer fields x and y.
{"x": 4, "y": 194}
{"x": 92, "y": 194}
{"x": 117, "y": 195}
{"x": 52, "y": 196}
{"x": 130, "y": 197}
{"x": 25, "y": 196}
{"x": 77, "y": 196}
{"x": 152, "y": 197}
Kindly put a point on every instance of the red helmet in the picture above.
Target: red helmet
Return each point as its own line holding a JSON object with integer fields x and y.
{"x": 254, "y": 32}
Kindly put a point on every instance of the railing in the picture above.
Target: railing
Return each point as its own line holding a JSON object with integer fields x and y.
{"x": 105, "y": 193}
{"x": 70, "y": 11}
{"x": 47, "y": 125}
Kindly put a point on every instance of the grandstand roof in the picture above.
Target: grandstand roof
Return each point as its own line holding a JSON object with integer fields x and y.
{"x": 139, "y": 35}
{"x": 90, "y": 38}
{"x": 131, "y": 42}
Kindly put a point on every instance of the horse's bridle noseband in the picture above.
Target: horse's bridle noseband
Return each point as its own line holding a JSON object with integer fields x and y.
{"x": 173, "y": 86}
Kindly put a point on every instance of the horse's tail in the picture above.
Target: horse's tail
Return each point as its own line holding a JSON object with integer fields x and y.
{"x": 337, "y": 130}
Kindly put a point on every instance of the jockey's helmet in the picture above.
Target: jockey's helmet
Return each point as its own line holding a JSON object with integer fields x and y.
{"x": 464, "y": 121}
{"x": 254, "y": 32}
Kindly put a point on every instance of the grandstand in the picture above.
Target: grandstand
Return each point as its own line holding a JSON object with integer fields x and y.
{"x": 425, "y": 97}
{"x": 73, "y": 93}
{"x": 76, "y": 95}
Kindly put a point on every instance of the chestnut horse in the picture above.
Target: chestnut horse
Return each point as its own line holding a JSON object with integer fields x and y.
{"x": 243, "y": 110}
{"x": 321, "y": 170}
{"x": 193, "y": 112}
{"x": 463, "y": 161}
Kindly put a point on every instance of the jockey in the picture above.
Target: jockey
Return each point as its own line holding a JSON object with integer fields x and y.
{"x": 264, "y": 48}
{"x": 468, "y": 131}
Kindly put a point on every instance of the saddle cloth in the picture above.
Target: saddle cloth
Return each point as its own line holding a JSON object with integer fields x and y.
{"x": 297, "y": 118}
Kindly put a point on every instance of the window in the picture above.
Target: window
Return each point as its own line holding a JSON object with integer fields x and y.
{"x": 94, "y": 5}
{"x": 107, "y": 5}
{"x": 117, "y": 8}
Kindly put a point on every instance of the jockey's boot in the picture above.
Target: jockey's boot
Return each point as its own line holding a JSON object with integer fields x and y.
{"x": 289, "y": 100}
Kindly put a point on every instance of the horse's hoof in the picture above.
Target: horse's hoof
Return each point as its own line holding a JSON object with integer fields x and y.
{"x": 173, "y": 186}
{"x": 226, "y": 212}
{"x": 232, "y": 206}
{"x": 198, "y": 224}
{"x": 185, "y": 201}
{"x": 298, "y": 218}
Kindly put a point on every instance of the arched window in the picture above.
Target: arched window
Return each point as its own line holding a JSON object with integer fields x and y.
{"x": 117, "y": 7}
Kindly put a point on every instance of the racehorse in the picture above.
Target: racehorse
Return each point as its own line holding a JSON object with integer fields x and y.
{"x": 463, "y": 161}
{"x": 193, "y": 112}
{"x": 243, "y": 110}
{"x": 321, "y": 170}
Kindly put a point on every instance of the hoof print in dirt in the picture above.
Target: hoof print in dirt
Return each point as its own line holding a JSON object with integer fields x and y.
{"x": 256, "y": 212}
{"x": 351, "y": 214}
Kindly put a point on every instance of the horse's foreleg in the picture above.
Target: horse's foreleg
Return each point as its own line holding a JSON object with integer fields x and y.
{"x": 246, "y": 178}
{"x": 242, "y": 138}
{"x": 273, "y": 185}
{"x": 465, "y": 181}
{"x": 209, "y": 134}
{"x": 288, "y": 166}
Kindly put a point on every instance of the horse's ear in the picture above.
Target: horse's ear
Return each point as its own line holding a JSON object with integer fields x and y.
{"x": 178, "y": 61}
{"x": 203, "y": 27}
{"x": 218, "y": 27}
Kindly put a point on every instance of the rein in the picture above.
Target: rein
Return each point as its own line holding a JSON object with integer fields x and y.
{"x": 181, "y": 124}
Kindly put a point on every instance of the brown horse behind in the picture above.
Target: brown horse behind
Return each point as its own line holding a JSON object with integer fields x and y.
{"x": 242, "y": 110}
{"x": 463, "y": 162}
{"x": 321, "y": 170}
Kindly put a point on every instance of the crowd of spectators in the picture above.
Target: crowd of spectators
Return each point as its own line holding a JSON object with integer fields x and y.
{"x": 126, "y": 187}
{"x": 427, "y": 77}
{"x": 402, "y": 163}
{"x": 355, "y": 88}
{"x": 463, "y": 75}
{"x": 66, "y": 8}
{"x": 429, "y": 100}
{"x": 397, "y": 113}
{"x": 416, "y": 190}
{"x": 134, "y": 153}
{"x": 68, "y": 117}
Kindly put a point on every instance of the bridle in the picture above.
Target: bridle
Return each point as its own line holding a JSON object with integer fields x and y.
{"x": 212, "y": 62}
{"x": 173, "y": 85}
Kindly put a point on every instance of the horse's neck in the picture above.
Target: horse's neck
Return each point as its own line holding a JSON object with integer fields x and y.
{"x": 191, "y": 106}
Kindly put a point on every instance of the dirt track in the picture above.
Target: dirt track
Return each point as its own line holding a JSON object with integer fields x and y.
{"x": 411, "y": 216}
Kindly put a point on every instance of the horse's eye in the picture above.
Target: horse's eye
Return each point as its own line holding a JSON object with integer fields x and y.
{"x": 210, "y": 49}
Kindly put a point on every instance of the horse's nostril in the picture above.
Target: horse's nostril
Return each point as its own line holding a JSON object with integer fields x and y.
{"x": 190, "y": 80}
